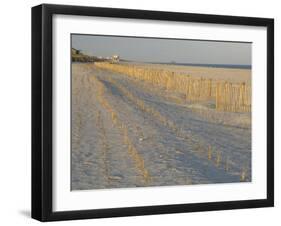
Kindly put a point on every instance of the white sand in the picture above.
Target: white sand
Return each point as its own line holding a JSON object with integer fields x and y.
{"x": 169, "y": 158}
{"x": 234, "y": 75}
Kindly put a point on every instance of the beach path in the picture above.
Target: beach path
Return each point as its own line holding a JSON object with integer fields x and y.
{"x": 126, "y": 133}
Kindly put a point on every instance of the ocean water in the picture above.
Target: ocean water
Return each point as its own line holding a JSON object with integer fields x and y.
{"x": 238, "y": 66}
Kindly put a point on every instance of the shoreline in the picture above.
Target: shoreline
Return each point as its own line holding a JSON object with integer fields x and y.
{"x": 235, "y": 75}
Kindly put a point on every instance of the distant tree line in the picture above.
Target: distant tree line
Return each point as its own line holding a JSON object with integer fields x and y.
{"x": 78, "y": 56}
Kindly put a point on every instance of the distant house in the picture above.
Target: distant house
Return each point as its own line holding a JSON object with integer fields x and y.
{"x": 115, "y": 58}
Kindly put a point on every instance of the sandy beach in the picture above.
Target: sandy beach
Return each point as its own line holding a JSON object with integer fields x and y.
{"x": 126, "y": 133}
{"x": 235, "y": 75}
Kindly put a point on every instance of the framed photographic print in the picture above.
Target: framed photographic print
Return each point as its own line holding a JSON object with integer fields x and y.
{"x": 145, "y": 112}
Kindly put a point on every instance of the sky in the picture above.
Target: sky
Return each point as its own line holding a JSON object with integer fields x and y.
{"x": 165, "y": 50}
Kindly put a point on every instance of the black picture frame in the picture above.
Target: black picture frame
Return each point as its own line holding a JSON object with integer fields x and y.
{"x": 42, "y": 107}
